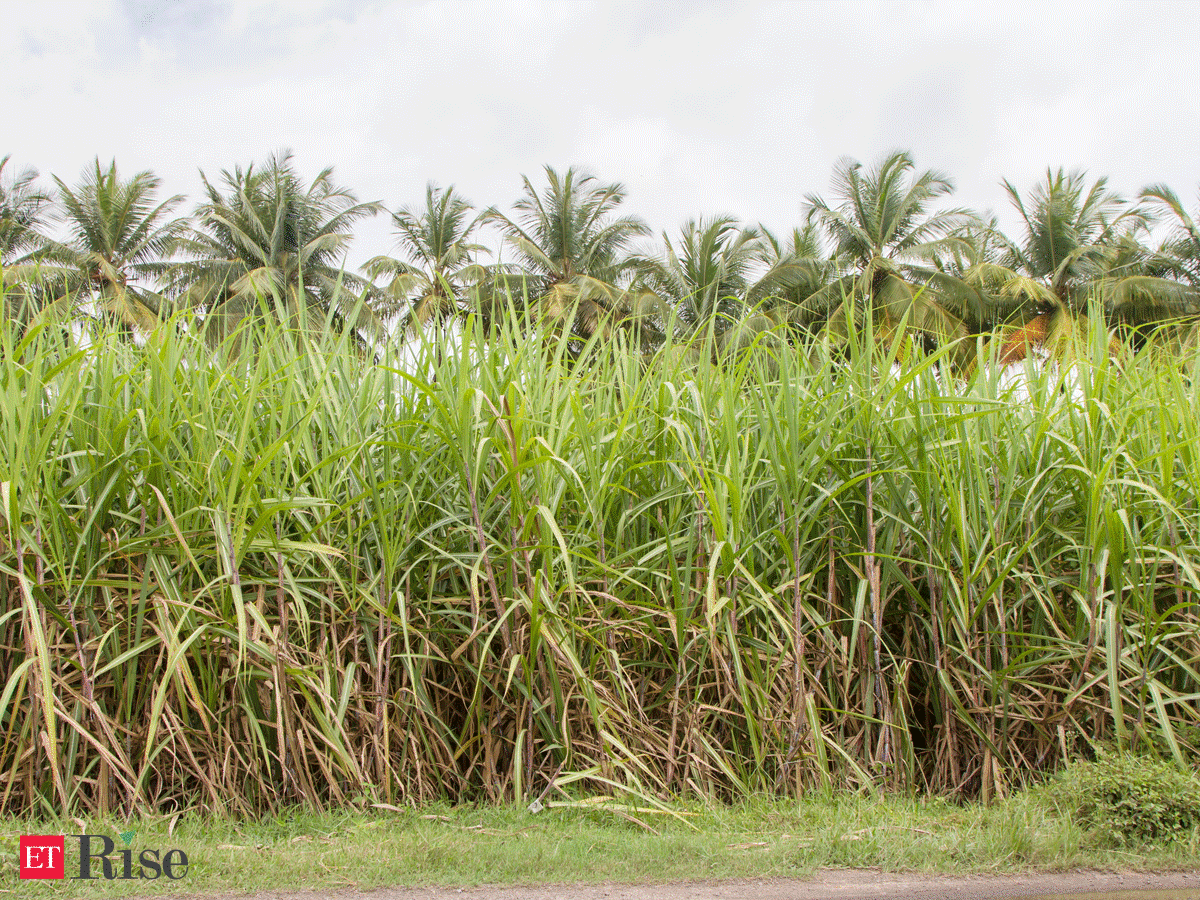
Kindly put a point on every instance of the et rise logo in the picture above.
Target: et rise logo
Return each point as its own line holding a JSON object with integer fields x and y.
{"x": 44, "y": 856}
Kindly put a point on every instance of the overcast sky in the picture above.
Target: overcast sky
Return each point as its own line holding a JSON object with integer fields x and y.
{"x": 697, "y": 107}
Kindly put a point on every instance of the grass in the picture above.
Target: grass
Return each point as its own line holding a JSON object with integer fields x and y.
{"x": 465, "y": 846}
{"x": 283, "y": 573}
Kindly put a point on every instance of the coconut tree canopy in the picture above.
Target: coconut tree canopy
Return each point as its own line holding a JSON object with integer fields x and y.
{"x": 24, "y": 292}
{"x": 266, "y": 241}
{"x": 23, "y": 209}
{"x": 796, "y": 270}
{"x": 1081, "y": 244}
{"x": 573, "y": 245}
{"x": 1179, "y": 254}
{"x": 119, "y": 242}
{"x": 707, "y": 272}
{"x": 1081, "y": 249}
{"x": 886, "y": 237}
{"x": 430, "y": 283}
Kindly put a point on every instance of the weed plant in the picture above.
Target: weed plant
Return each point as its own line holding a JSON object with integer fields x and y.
{"x": 1129, "y": 801}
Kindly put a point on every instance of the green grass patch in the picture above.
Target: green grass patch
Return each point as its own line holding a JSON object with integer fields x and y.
{"x": 465, "y": 846}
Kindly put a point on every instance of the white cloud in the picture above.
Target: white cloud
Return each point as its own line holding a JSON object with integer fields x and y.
{"x": 698, "y": 108}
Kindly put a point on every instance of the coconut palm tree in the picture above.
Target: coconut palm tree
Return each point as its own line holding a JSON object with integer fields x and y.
{"x": 1177, "y": 258}
{"x": 1070, "y": 233}
{"x": 717, "y": 273}
{"x": 802, "y": 271}
{"x": 119, "y": 242}
{"x": 266, "y": 243}
{"x": 23, "y": 208}
{"x": 1179, "y": 254}
{"x": 432, "y": 282}
{"x": 1080, "y": 247}
{"x": 886, "y": 239}
{"x": 22, "y": 214}
{"x": 573, "y": 246}
{"x": 707, "y": 277}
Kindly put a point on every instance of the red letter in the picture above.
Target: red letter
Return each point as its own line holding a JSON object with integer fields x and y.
{"x": 41, "y": 856}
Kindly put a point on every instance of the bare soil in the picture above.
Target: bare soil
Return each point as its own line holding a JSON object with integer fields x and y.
{"x": 828, "y": 884}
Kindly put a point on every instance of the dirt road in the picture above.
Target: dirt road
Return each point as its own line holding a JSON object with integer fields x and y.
{"x": 831, "y": 884}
